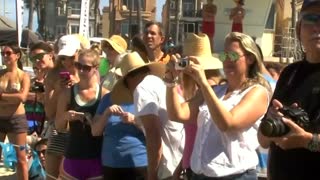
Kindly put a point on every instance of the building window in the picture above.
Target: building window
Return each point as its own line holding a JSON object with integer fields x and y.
{"x": 61, "y": 8}
{"x": 188, "y": 6}
{"x": 270, "y": 24}
{"x": 189, "y": 27}
{"x": 124, "y": 28}
{"x": 75, "y": 8}
{"x": 128, "y": 3}
{"x": 60, "y": 29}
{"x": 74, "y": 29}
{"x": 172, "y": 5}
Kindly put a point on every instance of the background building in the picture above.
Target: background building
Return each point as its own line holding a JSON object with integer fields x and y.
{"x": 63, "y": 17}
{"x": 116, "y": 18}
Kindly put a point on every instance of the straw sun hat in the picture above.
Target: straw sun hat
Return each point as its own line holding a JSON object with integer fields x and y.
{"x": 199, "y": 46}
{"x": 131, "y": 62}
{"x": 116, "y": 42}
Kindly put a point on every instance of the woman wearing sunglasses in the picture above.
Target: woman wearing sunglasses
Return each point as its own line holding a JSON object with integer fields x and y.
{"x": 226, "y": 139}
{"x": 76, "y": 106}
{"x": 14, "y": 88}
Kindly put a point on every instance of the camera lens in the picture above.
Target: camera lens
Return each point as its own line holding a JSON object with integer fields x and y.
{"x": 273, "y": 128}
{"x": 183, "y": 63}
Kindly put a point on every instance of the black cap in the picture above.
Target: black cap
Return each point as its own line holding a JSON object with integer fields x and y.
{"x": 309, "y": 3}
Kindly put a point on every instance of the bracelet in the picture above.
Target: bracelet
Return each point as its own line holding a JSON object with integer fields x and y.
{"x": 170, "y": 85}
{"x": 314, "y": 144}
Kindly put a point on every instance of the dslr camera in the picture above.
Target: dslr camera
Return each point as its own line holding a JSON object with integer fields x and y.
{"x": 37, "y": 87}
{"x": 276, "y": 127}
{"x": 182, "y": 63}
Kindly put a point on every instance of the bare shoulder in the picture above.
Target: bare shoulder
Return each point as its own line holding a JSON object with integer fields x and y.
{"x": 52, "y": 77}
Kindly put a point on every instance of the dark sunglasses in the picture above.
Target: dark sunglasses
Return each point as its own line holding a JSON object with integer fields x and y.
{"x": 7, "y": 53}
{"x": 36, "y": 57}
{"x": 82, "y": 67}
{"x": 311, "y": 18}
{"x": 233, "y": 56}
{"x": 41, "y": 152}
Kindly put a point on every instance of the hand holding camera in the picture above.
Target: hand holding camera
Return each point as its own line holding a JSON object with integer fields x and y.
{"x": 274, "y": 126}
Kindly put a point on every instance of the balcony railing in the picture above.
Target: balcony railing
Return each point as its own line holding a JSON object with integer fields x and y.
{"x": 188, "y": 13}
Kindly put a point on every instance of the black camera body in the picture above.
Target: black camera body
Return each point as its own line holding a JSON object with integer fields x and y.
{"x": 182, "y": 63}
{"x": 276, "y": 127}
{"x": 37, "y": 87}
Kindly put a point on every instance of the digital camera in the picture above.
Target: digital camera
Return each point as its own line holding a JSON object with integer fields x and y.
{"x": 182, "y": 63}
{"x": 276, "y": 127}
{"x": 37, "y": 87}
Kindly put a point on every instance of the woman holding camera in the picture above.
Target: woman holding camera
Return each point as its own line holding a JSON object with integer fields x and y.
{"x": 76, "y": 107}
{"x": 227, "y": 119}
{"x": 14, "y": 88}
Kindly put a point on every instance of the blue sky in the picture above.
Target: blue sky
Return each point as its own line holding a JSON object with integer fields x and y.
{"x": 11, "y": 14}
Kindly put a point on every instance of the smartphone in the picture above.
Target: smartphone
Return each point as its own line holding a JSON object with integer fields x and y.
{"x": 64, "y": 75}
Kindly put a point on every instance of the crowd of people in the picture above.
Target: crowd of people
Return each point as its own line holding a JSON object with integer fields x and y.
{"x": 156, "y": 114}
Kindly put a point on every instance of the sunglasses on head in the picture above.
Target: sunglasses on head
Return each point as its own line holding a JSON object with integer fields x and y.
{"x": 6, "y": 53}
{"x": 232, "y": 56}
{"x": 82, "y": 67}
{"x": 36, "y": 57}
{"x": 311, "y": 18}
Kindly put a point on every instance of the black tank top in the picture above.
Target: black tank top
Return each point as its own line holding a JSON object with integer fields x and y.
{"x": 81, "y": 144}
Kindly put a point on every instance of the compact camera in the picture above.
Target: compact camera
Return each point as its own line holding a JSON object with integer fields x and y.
{"x": 37, "y": 87}
{"x": 182, "y": 63}
{"x": 276, "y": 127}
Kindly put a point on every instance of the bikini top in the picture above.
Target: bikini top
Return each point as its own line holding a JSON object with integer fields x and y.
{"x": 10, "y": 86}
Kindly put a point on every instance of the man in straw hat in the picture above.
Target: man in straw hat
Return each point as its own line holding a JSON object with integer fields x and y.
{"x": 293, "y": 155}
{"x": 141, "y": 84}
{"x": 113, "y": 47}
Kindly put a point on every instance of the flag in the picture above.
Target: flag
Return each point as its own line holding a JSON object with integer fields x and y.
{"x": 84, "y": 18}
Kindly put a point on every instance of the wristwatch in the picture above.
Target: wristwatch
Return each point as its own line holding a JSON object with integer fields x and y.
{"x": 314, "y": 144}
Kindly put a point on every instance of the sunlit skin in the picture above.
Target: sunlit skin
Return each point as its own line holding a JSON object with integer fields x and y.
{"x": 11, "y": 103}
{"x": 46, "y": 62}
{"x": 236, "y": 71}
{"x": 154, "y": 39}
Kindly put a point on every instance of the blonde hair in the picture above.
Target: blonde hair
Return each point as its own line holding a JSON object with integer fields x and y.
{"x": 252, "y": 51}
{"x": 92, "y": 54}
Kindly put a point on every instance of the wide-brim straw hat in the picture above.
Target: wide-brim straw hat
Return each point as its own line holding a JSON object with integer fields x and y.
{"x": 132, "y": 61}
{"x": 199, "y": 46}
{"x": 116, "y": 42}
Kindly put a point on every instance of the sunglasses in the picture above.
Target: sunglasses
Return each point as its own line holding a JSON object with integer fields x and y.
{"x": 37, "y": 57}
{"x": 6, "y": 53}
{"x": 233, "y": 56}
{"x": 82, "y": 67}
{"x": 311, "y": 18}
{"x": 41, "y": 152}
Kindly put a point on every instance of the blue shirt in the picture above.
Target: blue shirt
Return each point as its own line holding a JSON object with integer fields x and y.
{"x": 123, "y": 144}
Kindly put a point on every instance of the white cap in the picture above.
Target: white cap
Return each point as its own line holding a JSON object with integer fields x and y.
{"x": 68, "y": 45}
